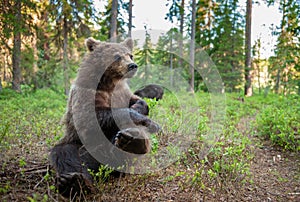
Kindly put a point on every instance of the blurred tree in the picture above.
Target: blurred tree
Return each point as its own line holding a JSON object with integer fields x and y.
{"x": 248, "y": 79}
{"x": 16, "y": 20}
{"x": 16, "y": 54}
{"x": 228, "y": 43}
{"x": 144, "y": 57}
{"x": 176, "y": 11}
{"x": 204, "y": 34}
{"x": 204, "y": 19}
{"x": 257, "y": 60}
{"x": 285, "y": 66}
{"x": 192, "y": 47}
{"x": 106, "y": 17}
{"x": 70, "y": 17}
{"x": 113, "y": 21}
{"x": 129, "y": 18}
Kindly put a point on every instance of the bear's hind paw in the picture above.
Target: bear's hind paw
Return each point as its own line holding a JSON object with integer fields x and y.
{"x": 73, "y": 184}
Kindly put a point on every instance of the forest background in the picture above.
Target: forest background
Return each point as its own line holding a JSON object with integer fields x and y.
{"x": 255, "y": 156}
{"x": 42, "y": 42}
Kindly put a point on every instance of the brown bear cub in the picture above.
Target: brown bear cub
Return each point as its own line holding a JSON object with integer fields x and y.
{"x": 152, "y": 91}
{"x": 121, "y": 115}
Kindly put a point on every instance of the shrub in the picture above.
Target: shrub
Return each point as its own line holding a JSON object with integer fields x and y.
{"x": 279, "y": 122}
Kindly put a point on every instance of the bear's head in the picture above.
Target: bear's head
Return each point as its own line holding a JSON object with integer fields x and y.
{"x": 116, "y": 58}
{"x": 109, "y": 61}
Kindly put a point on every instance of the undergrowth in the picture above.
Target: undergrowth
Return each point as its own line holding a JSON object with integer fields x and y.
{"x": 203, "y": 158}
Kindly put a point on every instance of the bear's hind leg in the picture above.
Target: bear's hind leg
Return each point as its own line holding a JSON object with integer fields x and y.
{"x": 72, "y": 177}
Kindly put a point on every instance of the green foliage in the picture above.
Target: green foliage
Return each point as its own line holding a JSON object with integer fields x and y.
{"x": 228, "y": 50}
{"x": 37, "y": 197}
{"x": 279, "y": 122}
{"x": 284, "y": 66}
{"x": 30, "y": 117}
{"x": 101, "y": 176}
{"x": 105, "y": 20}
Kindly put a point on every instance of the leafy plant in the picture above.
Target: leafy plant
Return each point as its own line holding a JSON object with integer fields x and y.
{"x": 279, "y": 122}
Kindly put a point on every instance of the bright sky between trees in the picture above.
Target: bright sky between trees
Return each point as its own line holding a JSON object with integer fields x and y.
{"x": 153, "y": 12}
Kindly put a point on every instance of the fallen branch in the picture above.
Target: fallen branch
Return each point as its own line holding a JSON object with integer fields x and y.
{"x": 38, "y": 169}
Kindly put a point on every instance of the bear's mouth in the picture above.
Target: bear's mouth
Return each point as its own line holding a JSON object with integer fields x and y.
{"x": 131, "y": 73}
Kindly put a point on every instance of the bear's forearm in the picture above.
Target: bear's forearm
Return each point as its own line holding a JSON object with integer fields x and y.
{"x": 121, "y": 117}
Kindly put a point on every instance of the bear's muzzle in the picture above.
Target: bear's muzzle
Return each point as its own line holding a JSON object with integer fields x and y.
{"x": 132, "y": 66}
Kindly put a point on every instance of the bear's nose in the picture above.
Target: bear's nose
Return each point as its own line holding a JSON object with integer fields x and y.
{"x": 132, "y": 66}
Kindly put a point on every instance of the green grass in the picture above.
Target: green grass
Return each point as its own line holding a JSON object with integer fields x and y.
{"x": 279, "y": 122}
{"x": 202, "y": 156}
{"x": 30, "y": 118}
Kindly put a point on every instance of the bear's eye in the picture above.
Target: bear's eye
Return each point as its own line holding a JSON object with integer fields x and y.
{"x": 131, "y": 57}
{"x": 117, "y": 57}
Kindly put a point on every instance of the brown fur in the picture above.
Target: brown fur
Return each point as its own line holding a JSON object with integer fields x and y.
{"x": 152, "y": 91}
{"x": 101, "y": 87}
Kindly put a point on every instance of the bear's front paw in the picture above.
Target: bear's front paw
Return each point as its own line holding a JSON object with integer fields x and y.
{"x": 141, "y": 107}
{"x": 73, "y": 184}
{"x": 132, "y": 140}
{"x": 154, "y": 128}
{"x": 151, "y": 126}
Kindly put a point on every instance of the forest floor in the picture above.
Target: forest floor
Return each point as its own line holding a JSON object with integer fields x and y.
{"x": 274, "y": 176}
{"x": 240, "y": 167}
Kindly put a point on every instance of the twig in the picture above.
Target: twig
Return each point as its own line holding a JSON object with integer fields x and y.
{"x": 39, "y": 169}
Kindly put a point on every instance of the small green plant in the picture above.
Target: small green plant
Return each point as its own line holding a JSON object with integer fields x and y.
{"x": 38, "y": 198}
{"x": 154, "y": 143}
{"x": 102, "y": 175}
{"x": 22, "y": 162}
{"x": 5, "y": 188}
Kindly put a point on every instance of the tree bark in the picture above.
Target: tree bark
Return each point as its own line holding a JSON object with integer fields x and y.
{"x": 113, "y": 21}
{"x": 277, "y": 82}
{"x": 180, "y": 41}
{"x": 248, "y": 79}
{"x": 129, "y": 18}
{"x": 280, "y": 63}
{"x": 171, "y": 59}
{"x": 65, "y": 56}
{"x": 192, "y": 47}
{"x": 16, "y": 54}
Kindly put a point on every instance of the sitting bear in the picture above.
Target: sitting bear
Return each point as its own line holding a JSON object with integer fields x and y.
{"x": 150, "y": 91}
{"x": 121, "y": 115}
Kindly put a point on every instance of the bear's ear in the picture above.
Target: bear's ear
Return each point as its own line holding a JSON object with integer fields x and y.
{"x": 91, "y": 43}
{"x": 128, "y": 43}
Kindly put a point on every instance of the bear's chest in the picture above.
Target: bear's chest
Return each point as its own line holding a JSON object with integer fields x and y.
{"x": 117, "y": 98}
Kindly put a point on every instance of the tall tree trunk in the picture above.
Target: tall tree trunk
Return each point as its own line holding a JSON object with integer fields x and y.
{"x": 248, "y": 79}
{"x": 113, "y": 21}
{"x": 130, "y": 18}
{"x": 277, "y": 82}
{"x": 65, "y": 56}
{"x": 258, "y": 77}
{"x": 16, "y": 54}
{"x": 281, "y": 43}
{"x": 192, "y": 47}
{"x": 180, "y": 41}
{"x": 171, "y": 59}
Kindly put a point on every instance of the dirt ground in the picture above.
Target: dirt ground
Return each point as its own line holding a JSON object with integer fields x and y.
{"x": 275, "y": 176}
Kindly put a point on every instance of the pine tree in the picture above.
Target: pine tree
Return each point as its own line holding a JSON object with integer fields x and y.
{"x": 144, "y": 57}
{"x": 248, "y": 79}
{"x": 228, "y": 43}
{"x": 106, "y": 20}
{"x": 285, "y": 65}
{"x": 69, "y": 17}
{"x": 16, "y": 22}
